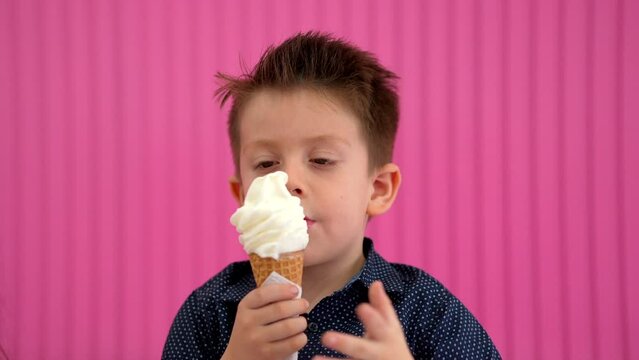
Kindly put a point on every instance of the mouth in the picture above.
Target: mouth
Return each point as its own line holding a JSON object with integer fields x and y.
{"x": 309, "y": 222}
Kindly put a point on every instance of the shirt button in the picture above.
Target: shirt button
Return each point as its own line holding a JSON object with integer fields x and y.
{"x": 313, "y": 327}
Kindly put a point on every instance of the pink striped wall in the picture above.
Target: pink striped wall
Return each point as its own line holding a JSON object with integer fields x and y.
{"x": 519, "y": 145}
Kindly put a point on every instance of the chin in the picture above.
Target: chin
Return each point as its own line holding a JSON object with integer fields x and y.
{"x": 311, "y": 259}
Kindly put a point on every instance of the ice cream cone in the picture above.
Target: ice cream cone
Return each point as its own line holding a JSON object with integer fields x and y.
{"x": 289, "y": 265}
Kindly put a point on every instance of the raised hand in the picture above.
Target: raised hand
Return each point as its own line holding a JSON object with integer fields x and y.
{"x": 384, "y": 336}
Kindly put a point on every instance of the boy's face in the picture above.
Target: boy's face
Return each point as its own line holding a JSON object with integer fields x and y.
{"x": 318, "y": 143}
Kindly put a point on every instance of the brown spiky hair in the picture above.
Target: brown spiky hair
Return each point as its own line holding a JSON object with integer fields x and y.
{"x": 321, "y": 62}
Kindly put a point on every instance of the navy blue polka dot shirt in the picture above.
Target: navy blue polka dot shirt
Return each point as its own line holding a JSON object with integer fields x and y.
{"x": 436, "y": 324}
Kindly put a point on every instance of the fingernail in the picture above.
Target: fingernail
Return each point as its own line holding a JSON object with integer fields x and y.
{"x": 293, "y": 290}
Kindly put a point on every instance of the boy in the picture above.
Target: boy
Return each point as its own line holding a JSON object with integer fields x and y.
{"x": 325, "y": 113}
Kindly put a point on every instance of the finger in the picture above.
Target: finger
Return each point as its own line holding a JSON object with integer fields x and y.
{"x": 265, "y": 295}
{"x": 350, "y": 345}
{"x": 280, "y": 310}
{"x": 284, "y": 329}
{"x": 288, "y": 346}
{"x": 381, "y": 302}
{"x": 375, "y": 324}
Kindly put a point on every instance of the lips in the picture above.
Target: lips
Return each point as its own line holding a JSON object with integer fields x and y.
{"x": 309, "y": 222}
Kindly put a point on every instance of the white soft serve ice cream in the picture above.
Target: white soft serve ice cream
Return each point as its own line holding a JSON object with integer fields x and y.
{"x": 271, "y": 221}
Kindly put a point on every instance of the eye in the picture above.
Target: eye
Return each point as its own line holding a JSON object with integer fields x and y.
{"x": 321, "y": 161}
{"x": 265, "y": 164}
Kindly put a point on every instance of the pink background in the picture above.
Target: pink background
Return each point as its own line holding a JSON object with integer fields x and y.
{"x": 519, "y": 146}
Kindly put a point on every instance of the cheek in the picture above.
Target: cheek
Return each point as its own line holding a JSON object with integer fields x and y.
{"x": 348, "y": 208}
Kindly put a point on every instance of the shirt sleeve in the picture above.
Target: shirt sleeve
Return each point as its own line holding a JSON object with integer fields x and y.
{"x": 458, "y": 335}
{"x": 191, "y": 336}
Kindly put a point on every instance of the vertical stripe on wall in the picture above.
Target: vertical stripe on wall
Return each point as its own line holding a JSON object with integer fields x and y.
{"x": 518, "y": 145}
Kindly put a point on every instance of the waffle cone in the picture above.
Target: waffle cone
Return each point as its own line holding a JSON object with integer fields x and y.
{"x": 289, "y": 265}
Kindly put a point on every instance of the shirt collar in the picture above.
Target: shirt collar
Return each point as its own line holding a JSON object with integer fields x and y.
{"x": 240, "y": 282}
{"x": 375, "y": 268}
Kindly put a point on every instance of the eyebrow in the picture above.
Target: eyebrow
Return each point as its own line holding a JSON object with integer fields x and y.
{"x": 314, "y": 139}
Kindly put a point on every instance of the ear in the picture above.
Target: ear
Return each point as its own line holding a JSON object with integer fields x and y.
{"x": 236, "y": 189}
{"x": 386, "y": 183}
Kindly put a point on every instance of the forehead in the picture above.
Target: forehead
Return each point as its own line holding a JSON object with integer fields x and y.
{"x": 297, "y": 115}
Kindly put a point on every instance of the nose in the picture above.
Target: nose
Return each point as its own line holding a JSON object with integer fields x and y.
{"x": 294, "y": 183}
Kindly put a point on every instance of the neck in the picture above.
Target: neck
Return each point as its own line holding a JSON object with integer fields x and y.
{"x": 323, "y": 280}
